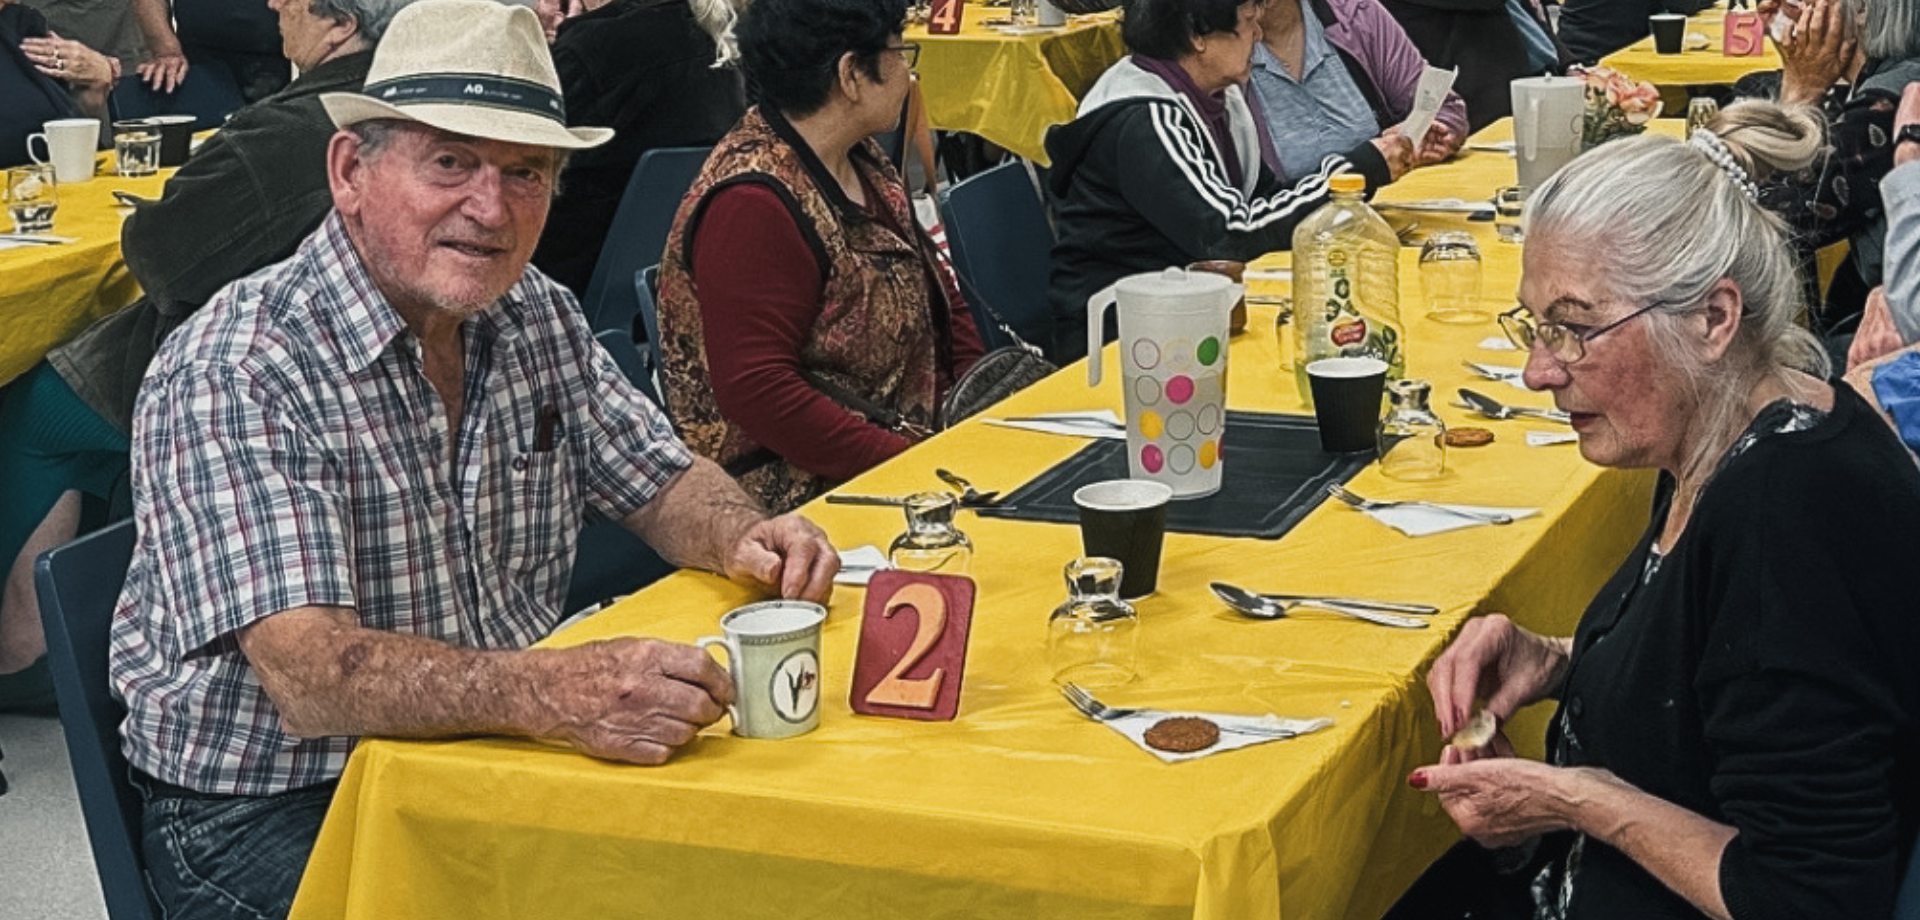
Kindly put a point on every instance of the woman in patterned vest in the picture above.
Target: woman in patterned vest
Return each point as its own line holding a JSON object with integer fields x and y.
{"x": 809, "y": 326}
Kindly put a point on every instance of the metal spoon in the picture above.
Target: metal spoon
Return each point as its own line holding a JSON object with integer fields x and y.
{"x": 968, "y": 494}
{"x": 1495, "y": 409}
{"x": 1266, "y": 608}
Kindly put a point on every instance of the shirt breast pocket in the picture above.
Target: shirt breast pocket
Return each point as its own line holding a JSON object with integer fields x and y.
{"x": 537, "y": 515}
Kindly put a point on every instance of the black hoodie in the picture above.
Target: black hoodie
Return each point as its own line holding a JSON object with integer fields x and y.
{"x": 1140, "y": 187}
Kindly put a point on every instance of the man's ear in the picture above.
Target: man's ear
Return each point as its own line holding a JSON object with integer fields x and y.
{"x": 346, "y": 172}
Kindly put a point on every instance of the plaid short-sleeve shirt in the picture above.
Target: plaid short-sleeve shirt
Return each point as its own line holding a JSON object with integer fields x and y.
{"x": 288, "y": 451}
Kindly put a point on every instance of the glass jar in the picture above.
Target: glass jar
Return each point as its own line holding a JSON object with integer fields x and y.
{"x": 932, "y": 543}
{"x": 1093, "y": 637}
{"x": 1413, "y": 440}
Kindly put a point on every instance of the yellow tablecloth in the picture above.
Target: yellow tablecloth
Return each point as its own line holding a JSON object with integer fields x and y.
{"x": 50, "y": 293}
{"x": 1705, "y": 67}
{"x": 1020, "y": 808}
{"x": 1009, "y": 88}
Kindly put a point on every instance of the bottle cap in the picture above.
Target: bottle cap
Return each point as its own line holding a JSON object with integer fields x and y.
{"x": 1348, "y": 182}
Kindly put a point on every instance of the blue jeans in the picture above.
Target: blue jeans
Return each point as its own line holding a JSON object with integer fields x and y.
{"x": 228, "y": 857}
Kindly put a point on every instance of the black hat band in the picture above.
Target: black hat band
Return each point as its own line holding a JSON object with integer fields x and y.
{"x": 471, "y": 89}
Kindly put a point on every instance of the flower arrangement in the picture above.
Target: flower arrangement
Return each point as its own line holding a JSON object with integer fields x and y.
{"x": 1617, "y": 105}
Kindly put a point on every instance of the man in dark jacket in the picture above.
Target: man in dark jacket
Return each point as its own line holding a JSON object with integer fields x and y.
{"x": 1593, "y": 29}
{"x": 652, "y": 70}
{"x": 1481, "y": 38}
{"x": 243, "y": 201}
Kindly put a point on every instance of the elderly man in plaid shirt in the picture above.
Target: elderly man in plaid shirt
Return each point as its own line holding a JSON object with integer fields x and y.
{"x": 359, "y": 476}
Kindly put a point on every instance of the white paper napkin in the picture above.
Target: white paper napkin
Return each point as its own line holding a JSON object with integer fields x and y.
{"x": 1068, "y": 427}
{"x": 1426, "y": 520}
{"x": 859, "y": 563}
{"x": 1135, "y": 726}
{"x": 1497, "y": 343}
{"x": 1545, "y": 438}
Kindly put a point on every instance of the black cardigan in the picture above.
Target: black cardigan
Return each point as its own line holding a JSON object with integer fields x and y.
{"x": 1765, "y": 677}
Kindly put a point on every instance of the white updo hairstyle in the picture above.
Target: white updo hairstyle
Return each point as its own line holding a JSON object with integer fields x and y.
{"x": 1665, "y": 222}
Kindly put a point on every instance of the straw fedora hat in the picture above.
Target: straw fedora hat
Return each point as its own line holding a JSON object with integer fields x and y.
{"x": 473, "y": 67}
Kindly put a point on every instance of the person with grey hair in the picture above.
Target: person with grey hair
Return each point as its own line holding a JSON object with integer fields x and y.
{"x": 1737, "y": 707}
{"x": 242, "y": 201}
{"x": 1852, "y": 58}
{"x": 659, "y": 73}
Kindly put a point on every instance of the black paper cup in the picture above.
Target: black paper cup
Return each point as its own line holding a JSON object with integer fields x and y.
{"x": 1126, "y": 519}
{"x": 1346, "y": 401}
{"x": 1669, "y": 29}
{"x": 176, "y": 137}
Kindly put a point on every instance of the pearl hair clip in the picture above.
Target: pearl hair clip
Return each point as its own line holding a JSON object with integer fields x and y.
{"x": 1716, "y": 150}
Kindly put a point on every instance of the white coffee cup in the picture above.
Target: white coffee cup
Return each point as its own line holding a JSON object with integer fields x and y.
{"x": 1051, "y": 15}
{"x": 773, "y": 653}
{"x": 70, "y": 144}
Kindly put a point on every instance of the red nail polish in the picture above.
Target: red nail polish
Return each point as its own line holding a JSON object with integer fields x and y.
{"x": 1417, "y": 779}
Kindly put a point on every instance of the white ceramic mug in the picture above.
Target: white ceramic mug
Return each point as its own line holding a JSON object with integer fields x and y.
{"x": 773, "y": 653}
{"x": 70, "y": 144}
{"x": 1548, "y": 114}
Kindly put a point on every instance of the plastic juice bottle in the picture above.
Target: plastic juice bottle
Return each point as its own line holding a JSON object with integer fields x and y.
{"x": 1346, "y": 285}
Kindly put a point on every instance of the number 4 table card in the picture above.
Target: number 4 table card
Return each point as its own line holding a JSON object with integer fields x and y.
{"x": 943, "y": 17}
{"x": 913, "y": 646}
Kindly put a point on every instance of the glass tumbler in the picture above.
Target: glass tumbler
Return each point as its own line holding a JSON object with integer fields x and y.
{"x": 136, "y": 148}
{"x": 1450, "y": 278}
{"x": 31, "y": 198}
{"x": 932, "y": 543}
{"x": 1700, "y": 112}
{"x": 1509, "y": 205}
{"x": 1093, "y": 638}
{"x": 1413, "y": 440}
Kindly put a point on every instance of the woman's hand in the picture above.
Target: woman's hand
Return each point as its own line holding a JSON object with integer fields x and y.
{"x": 1439, "y": 144}
{"x": 163, "y": 70}
{"x": 1396, "y": 150}
{"x": 1822, "y": 49}
{"x": 1503, "y": 801}
{"x": 1493, "y": 657}
{"x": 1877, "y": 335}
{"x": 69, "y": 61}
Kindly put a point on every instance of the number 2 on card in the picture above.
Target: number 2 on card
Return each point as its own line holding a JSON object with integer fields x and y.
{"x": 919, "y": 693}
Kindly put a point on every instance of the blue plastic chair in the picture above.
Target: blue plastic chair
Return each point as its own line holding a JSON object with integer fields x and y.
{"x": 1002, "y": 250}
{"x": 639, "y": 232}
{"x": 1907, "y": 905}
{"x": 646, "y": 291}
{"x": 609, "y": 560}
{"x": 78, "y": 585}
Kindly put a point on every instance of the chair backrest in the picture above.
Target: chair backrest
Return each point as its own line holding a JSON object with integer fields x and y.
{"x": 646, "y": 290}
{"x": 1002, "y": 249}
{"x": 632, "y": 361}
{"x": 78, "y": 585}
{"x": 1907, "y": 905}
{"x": 639, "y": 231}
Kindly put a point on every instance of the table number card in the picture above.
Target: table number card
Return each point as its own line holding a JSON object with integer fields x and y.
{"x": 943, "y": 17}
{"x": 913, "y": 646}
{"x": 1746, "y": 34}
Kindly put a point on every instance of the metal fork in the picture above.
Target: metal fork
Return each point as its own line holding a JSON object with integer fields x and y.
{"x": 1092, "y": 708}
{"x": 1101, "y": 712}
{"x": 1367, "y": 504}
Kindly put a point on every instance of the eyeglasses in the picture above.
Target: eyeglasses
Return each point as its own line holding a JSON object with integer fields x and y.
{"x": 909, "y": 51}
{"x": 1566, "y": 344}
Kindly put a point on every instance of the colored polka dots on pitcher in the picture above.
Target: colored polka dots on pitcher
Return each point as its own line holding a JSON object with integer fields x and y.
{"x": 1151, "y": 459}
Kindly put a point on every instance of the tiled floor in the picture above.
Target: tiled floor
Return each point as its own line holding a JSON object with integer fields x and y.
{"x": 46, "y": 870}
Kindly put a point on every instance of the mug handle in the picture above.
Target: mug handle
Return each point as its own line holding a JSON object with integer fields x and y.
{"x": 733, "y": 656}
{"x": 38, "y": 159}
{"x": 1096, "y": 323}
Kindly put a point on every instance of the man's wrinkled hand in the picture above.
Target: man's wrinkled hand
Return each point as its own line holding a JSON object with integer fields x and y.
{"x": 164, "y": 72}
{"x": 1877, "y": 336}
{"x": 788, "y": 555}
{"x": 633, "y": 700}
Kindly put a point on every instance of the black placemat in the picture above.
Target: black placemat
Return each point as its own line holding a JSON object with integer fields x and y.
{"x": 1275, "y": 473}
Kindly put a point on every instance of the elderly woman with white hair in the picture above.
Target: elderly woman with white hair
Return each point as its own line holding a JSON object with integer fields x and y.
{"x": 1737, "y": 706}
{"x": 1853, "y": 58}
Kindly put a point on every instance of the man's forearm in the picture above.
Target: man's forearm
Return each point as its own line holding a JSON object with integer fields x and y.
{"x": 698, "y": 518}
{"x": 156, "y": 25}
{"x": 330, "y": 676}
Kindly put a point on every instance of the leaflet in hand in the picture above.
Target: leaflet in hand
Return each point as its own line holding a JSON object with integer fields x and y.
{"x": 1427, "y": 99}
